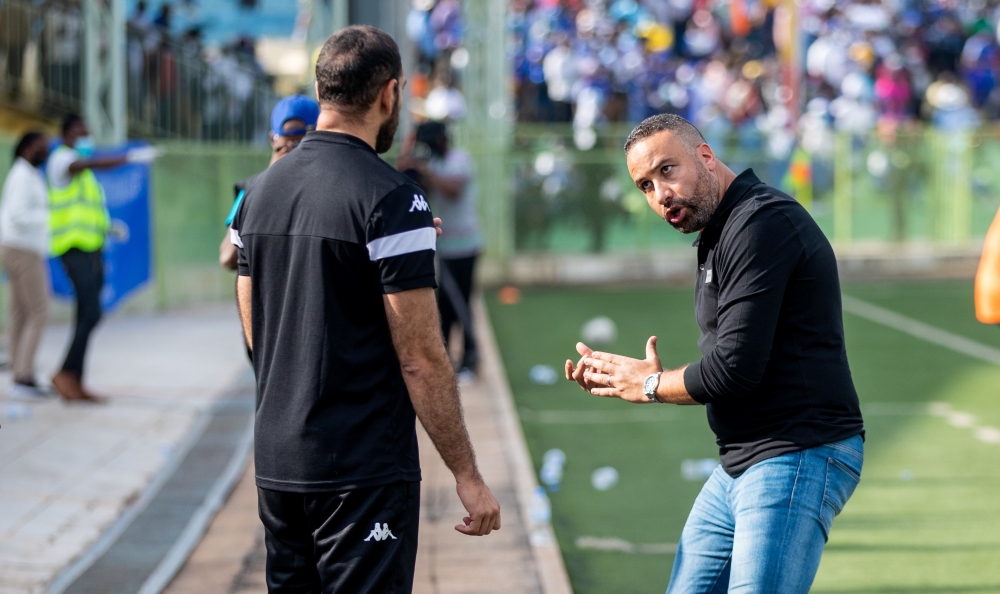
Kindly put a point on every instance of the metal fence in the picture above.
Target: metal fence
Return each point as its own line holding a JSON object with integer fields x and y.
{"x": 192, "y": 191}
{"x": 176, "y": 88}
{"x": 921, "y": 186}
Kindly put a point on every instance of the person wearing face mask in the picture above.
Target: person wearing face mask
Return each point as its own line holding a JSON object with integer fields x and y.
{"x": 24, "y": 246}
{"x": 291, "y": 118}
{"x": 78, "y": 223}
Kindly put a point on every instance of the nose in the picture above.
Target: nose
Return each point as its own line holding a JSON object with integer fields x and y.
{"x": 663, "y": 193}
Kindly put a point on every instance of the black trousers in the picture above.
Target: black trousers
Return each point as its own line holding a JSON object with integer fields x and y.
{"x": 454, "y": 292}
{"x": 86, "y": 272}
{"x": 352, "y": 542}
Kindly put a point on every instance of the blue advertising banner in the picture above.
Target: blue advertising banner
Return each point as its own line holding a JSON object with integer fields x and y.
{"x": 127, "y": 247}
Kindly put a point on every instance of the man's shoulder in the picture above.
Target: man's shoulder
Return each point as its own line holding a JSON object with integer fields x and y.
{"x": 246, "y": 183}
{"x": 771, "y": 212}
{"x": 358, "y": 174}
{"x": 767, "y": 202}
{"x": 63, "y": 156}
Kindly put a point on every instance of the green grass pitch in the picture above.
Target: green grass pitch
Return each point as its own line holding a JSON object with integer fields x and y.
{"x": 925, "y": 519}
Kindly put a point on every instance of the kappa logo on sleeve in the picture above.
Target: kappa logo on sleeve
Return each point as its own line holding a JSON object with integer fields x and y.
{"x": 380, "y": 533}
{"x": 419, "y": 203}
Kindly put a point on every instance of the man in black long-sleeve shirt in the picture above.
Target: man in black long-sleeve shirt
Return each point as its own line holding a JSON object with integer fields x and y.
{"x": 774, "y": 374}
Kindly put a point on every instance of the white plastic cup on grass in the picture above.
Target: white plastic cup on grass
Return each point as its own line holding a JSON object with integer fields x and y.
{"x": 541, "y": 508}
{"x": 600, "y": 331}
{"x": 543, "y": 375}
{"x": 698, "y": 470}
{"x": 554, "y": 456}
{"x": 604, "y": 478}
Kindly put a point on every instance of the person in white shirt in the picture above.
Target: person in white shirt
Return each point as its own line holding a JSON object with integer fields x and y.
{"x": 24, "y": 247}
{"x": 448, "y": 174}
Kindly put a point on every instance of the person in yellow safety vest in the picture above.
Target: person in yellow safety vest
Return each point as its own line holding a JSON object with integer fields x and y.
{"x": 78, "y": 223}
{"x": 987, "y": 294}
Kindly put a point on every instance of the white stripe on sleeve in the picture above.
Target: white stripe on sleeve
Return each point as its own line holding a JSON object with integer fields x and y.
{"x": 234, "y": 237}
{"x": 406, "y": 242}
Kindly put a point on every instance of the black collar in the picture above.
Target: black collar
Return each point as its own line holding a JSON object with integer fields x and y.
{"x": 337, "y": 138}
{"x": 733, "y": 196}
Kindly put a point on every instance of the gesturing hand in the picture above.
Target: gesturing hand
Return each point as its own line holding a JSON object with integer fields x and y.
{"x": 614, "y": 376}
{"x": 575, "y": 373}
{"x": 483, "y": 508}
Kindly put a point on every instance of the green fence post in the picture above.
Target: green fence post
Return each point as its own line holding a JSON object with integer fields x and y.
{"x": 224, "y": 194}
{"x": 487, "y": 126}
{"x": 843, "y": 191}
{"x": 159, "y": 232}
{"x": 962, "y": 205}
{"x": 939, "y": 186}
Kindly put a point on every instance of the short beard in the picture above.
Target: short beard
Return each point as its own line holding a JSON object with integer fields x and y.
{"x": 702, "y": 203}
{"x": 387, "y": 132}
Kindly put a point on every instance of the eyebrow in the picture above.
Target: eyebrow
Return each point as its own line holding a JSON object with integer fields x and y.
{"x": 659, "y": 165}
{"x": 664, "y": 161}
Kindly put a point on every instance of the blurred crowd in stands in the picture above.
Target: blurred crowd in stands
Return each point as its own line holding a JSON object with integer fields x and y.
{"x": 175, "y": 81}
{"x": 176, "y": 85}
{"x": 437, "y": 30}
{"x": 733, "y": 65}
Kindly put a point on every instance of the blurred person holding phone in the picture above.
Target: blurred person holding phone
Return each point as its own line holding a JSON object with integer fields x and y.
{"x": 24, "y": 249}
{"x": 448, "y": 176}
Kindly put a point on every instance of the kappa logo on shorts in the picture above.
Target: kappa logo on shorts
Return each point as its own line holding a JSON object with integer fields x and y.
{"x": 419, "y": 203}
{"x": 382, "y": 533}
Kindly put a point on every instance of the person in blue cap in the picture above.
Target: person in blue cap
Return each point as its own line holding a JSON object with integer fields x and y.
{"x": 291, "y": 118}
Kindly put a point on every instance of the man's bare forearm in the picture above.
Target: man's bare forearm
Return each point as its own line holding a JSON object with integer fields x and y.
{"x": 672, "y": 389}
{"x": 430, "y": 378}
{"x": 243, "y": 295}
{"x": 435, "y": 398}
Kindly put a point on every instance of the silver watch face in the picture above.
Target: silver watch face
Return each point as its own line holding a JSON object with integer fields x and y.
{"x": 649, "y": 386}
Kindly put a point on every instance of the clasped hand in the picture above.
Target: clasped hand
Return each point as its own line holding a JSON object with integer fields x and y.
{"x": 614, "y": 376}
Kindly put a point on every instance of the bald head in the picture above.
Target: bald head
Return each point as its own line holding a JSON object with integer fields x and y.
{"x": 681, "y": 129}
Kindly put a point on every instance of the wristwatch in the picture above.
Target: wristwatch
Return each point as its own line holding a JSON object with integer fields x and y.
{"x": 649, "y": 386}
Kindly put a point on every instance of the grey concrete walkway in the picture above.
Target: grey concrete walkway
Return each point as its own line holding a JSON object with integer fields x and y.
{"x": 230, "y": 559}
{"x": 68, "y": 472}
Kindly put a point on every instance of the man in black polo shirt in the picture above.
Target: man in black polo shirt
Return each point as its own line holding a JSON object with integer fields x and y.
{"x": 774, "y": 375}
{"x": 336, "y": 289}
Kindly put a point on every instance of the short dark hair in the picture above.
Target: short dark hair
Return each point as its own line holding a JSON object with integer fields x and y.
{"x": 432, "y": 134}
{"x": 27, "y": 140}
{"x": 353, "y": 66}
{"x": 680, "y": 127}
{"x": 69, "y": 120}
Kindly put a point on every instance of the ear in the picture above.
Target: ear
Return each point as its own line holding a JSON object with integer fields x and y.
{"x": 387, "y": 96}
{"x": 316, "y": 90}
{"x": 707, "y": 156}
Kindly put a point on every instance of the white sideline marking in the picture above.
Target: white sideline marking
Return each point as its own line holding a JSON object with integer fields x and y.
{"x": 920, "y": 330}
{"x": 896, "y": 409}
{"x": 596, "y": 417}
{"x": 933, "y": 335}
{"x": 623, "y": 546}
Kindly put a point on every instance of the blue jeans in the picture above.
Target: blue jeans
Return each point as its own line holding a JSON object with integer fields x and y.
{"x": 764, "y": 532}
